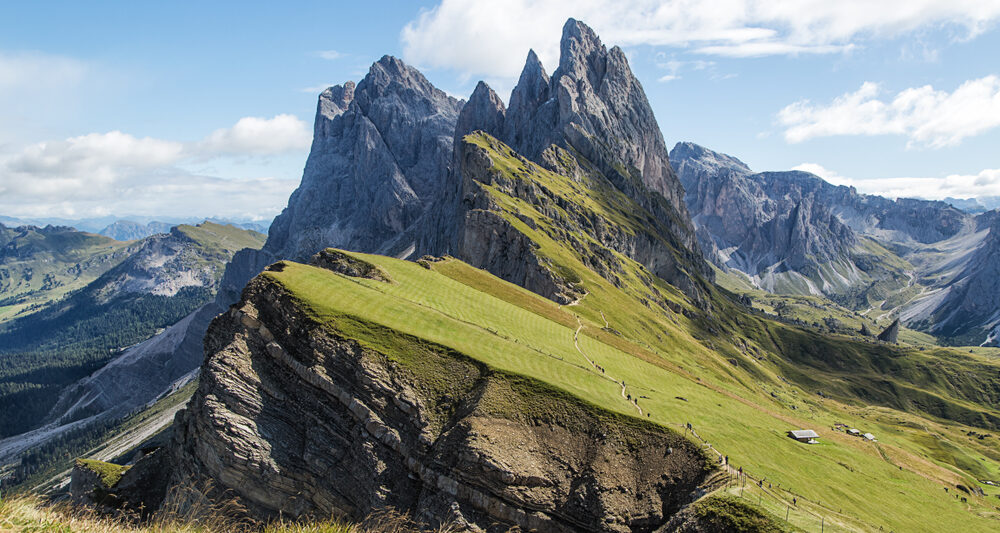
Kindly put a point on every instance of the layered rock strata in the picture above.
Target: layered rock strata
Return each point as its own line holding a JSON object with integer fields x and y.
{"x": 292, "y": 417}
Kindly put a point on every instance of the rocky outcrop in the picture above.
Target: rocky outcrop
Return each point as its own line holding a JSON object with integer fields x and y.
{"x": 969, "y": 309}
{"x": 338, "y": 261}
{"x": 376, "y": 177}
{"x": 491, "y": 242}
{"x": 595, "y": 107}
{"x": 127, "y": 230}
{"x": 591, "y": 114}
{"x": 381, "y": 152}
{"x": 891, "y": 333}
{"x": 717, "y": 183}
{"x": 292, "y": 417}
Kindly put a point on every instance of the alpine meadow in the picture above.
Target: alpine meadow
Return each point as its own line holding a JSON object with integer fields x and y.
{"x": 489, "y": 312}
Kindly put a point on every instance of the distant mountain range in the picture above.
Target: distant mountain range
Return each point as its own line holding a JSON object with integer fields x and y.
{"x": 927, "y": 262}
{"x": 128, "y": 228}
{"x": 77, "y": 303}
{"x": 494, "y": 317}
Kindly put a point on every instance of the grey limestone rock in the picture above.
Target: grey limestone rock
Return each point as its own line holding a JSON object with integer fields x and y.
{"x": 891, "y": 333}
{"x": 306, "y": 423}
{"x": 379, "y": 157}
{"x": 375, "y": 178}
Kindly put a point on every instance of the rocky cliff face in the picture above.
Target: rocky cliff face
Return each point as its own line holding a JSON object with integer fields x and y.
{"x": 758, "y": 226}
{"x": 292, "y": 417}
{"x": 718, "y": 183}
{"x": 385, "y": 172}
{"x": 375, "y": 176}
{"x": 127, "y": 230}
{"x": 590, "y": 118}
{"x": 595, "y": 105}
{"x": 796, "y": 222}
{"x": 969, "y": 309}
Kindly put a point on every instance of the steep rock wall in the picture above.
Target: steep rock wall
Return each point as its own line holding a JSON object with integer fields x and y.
{"x": 292, "y": 418}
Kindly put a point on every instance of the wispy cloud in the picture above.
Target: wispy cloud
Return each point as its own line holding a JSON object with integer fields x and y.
{"x": 35, "y": 71}
{"x": 982, "y": 184}
{"x": 674, "y": 67}
{"x": 329, "y": 55}
{"x": 316, "y": 89}
{"x": 928, "y": 117}
{"x": 477, "y": 38}
{"x": 117, "y": 172}
{"x": 258, "y": 136}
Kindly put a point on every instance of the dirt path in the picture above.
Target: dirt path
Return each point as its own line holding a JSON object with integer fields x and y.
{"x": 599, "y": 369}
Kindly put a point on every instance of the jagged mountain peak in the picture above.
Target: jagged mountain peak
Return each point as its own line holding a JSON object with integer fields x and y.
{"x": 532, "y": 87}
{"x": 689, "y": 153}
{"x": 594, "y": 106}
{"x": 484, "y": 111}
{"x": 581, "y": 52}
{"x": 392, "y": 75}
{"x": 338, "y": 95}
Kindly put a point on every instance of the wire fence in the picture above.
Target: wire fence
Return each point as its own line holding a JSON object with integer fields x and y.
{"x": 797, "y": 510}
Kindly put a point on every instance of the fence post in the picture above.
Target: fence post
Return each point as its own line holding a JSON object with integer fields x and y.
{"x": 822, "y": 524}
{"x": 787, "y": 508}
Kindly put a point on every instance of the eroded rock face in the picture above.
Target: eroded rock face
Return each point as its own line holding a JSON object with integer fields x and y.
{"x": 384, "y": 175}
{"x": 727, "y": 197}
{"x": 594, "y": 104}
{"x": 972, "y": 303}
{"x": 380, "y": 154}
{"x": 376, "y": 172}
{"x": 594, "y": 108}
{"x": 289, "y": 417}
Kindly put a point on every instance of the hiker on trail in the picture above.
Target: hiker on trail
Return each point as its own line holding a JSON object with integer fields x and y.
{"x": 795, "y": 501}
{"x": 741, "y": 470}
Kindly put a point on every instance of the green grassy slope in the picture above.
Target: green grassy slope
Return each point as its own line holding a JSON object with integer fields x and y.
{"x": 740, "y": 378}
{"x": 42, "y": 352}
{"x": 39, "y": 265}
{"x": 852, "y": 483}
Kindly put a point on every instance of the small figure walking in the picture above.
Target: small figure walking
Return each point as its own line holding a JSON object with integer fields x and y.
{"x": 795, "y": 501}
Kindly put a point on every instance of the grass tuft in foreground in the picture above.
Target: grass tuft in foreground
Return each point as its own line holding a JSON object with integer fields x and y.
{"x": 22, "y": 514}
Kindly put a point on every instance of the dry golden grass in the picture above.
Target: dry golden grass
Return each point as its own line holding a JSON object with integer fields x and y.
{"x": 30, "y": 513}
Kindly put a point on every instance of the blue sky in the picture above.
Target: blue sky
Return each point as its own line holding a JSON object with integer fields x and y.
{"x": 205, "y": 109}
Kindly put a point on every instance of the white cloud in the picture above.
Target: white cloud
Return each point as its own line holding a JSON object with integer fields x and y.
{"x": 97, "y": 154}
{"x": 983, "y": 184}
{"x": 316, "y": 89}
{"x": 259, "y": 136}
{"x": 329, "y": 55}
{"x": 117, "y": 172}
{"x": 927, "y": 116}
{"x": 176, "y": 194}
{"x": 34, "y": 71}
{"x": 483, "y": 38}
{"x": 825, "y": 173}
{"x": 675, "y": 66}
